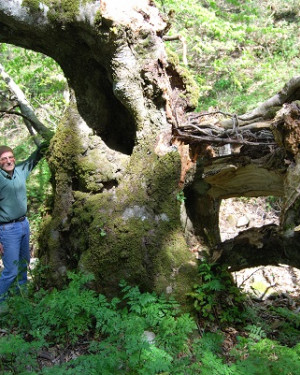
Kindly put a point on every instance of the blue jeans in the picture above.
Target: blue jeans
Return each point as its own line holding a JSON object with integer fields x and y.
{"x": 15, "y": 240}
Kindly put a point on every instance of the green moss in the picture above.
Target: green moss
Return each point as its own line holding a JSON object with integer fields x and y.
{"x": 147, "y": 251}
{"x": 63, "y": 11}
{"x": 93, "y": 170}
{"x": 144, "y": 44}
{"x": 134, "y": 248}
{"x": 65, "y": 146}
{"x": 192, "y": 89}
{"x": 60, "y": 11}
{"x": 98, "y": 18}
{"x": 33, "y": 5}
{"x": 192, "y": 92}
{"x": 132, "y": 232}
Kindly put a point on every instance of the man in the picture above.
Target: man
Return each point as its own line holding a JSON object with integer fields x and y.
{"x": 14, "y": 226}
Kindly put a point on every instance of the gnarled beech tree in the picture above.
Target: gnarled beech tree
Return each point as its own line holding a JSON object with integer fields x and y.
{"x": 129, "y": 143}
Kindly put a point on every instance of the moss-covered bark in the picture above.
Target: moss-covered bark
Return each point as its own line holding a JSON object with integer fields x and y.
{"x": 59, "y": 11}
{"x": 128, "y": 227}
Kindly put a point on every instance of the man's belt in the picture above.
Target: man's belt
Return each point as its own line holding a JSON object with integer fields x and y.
{"x": 22, "y": 218}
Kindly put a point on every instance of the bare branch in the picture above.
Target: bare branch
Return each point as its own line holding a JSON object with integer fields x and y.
{"x": 290, "y": 92}
{"x": 220, "y": 141}
{"x": 26, "y": 109}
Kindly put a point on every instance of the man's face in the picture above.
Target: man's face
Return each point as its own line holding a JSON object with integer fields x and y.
{"x": 7, "y": 162}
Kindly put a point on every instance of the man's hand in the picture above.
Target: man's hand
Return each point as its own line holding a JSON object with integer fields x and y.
{"x": 1, "y": 249}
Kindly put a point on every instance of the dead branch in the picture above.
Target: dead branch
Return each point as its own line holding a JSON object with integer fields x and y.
{"x": 290, "y": 92}
{"x": 29, "y": 116}
{"x": 219, "y": 137}
{"x": 255, "y": 128}
{"x": 218, "y": 140}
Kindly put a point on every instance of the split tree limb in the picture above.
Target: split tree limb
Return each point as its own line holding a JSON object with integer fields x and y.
{"x": 266, "y": 169}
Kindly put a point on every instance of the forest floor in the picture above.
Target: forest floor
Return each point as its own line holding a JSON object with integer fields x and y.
{"x": 272, "y": 293}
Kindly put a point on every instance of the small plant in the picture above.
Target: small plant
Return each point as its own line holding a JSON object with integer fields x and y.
{"x": 216, "y": 298}
{"x": 56, "y": 316}
{"x": 125, "y": 328}
{"x": 118, "y": 329}
{"x": 13, "y": 351}
{"x": 180, "y": 197}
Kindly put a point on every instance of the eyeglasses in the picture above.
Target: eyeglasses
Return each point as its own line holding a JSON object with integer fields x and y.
{"x": 7, "y": 158}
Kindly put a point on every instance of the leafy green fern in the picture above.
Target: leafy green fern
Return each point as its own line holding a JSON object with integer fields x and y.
{"x": 136, "y": 334}
{"x": 216, "y": 298}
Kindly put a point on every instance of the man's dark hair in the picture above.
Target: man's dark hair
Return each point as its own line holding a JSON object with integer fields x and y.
{"x": 5, "y": 149}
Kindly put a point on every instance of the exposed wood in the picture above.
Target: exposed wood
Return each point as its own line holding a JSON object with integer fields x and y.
{"x": 242, "y": 179}
{"x": 266, "y": 162}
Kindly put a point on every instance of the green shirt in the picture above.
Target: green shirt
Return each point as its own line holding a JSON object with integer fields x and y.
{"x": 13, "y": 199}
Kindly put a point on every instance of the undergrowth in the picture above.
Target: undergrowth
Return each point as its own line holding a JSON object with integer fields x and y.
{"x": 216, "y": 298}
{"x": 142, "y": 333}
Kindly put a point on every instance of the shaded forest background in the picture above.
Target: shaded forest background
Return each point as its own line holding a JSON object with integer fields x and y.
{"x": 239, "y": 53}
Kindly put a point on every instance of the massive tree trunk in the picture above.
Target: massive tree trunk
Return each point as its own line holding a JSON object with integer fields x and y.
{"x": 128, "y": 145}
{"x": 115, "y": 172}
